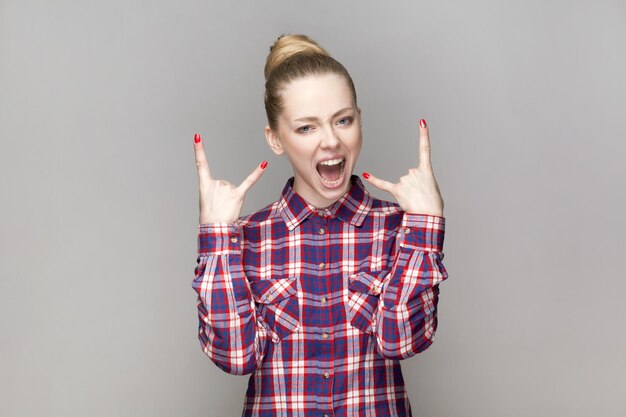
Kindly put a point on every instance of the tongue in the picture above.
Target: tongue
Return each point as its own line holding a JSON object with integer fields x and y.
{"x": 330, "y": 173}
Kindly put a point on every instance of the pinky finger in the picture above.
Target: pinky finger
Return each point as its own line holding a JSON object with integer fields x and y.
{"x": 253, "y": 177}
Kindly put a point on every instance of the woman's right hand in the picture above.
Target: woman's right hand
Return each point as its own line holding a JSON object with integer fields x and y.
{"x": 220, "y": 201}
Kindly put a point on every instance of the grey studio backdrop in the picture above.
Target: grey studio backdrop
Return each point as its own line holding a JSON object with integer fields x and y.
{"x": 99, "y": 102}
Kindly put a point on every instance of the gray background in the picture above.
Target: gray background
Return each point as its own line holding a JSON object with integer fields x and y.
{"x": 99, "y": 102}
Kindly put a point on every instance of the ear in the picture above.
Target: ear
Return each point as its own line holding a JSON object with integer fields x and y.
{"x": 360, "y": 118}
{"x": 273, "y": 141}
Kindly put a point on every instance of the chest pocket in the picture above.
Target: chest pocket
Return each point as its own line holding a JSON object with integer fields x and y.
{"x": 363, "y": 296}
{"x": 277, "y": 302}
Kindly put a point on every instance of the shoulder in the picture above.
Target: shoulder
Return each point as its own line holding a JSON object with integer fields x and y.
{"x": 383, "y": 216}
{"x": 262, "y": 216}
{"x": 385, "y": 208}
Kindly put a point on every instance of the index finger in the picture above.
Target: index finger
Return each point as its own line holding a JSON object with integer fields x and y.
{"x": 424, "y": 147}
{"x": 201, "y": 163}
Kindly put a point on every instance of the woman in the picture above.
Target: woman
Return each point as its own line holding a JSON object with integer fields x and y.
{"x": 320, "y": 294}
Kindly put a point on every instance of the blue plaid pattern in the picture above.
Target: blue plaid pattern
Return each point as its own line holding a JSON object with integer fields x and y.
{"x": 320, "y": 305}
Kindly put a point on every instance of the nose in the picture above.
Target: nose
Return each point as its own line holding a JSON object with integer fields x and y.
{"x": 329, "y": 140}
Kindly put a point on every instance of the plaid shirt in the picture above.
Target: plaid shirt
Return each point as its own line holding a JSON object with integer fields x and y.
{"x": 320, "y": 305}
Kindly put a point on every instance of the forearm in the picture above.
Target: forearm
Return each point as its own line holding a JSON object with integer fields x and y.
{"x": 228, "y": 330}
{"x": 406, "y": 318}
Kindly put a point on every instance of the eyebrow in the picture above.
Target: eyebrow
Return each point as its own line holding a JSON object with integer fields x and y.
{"x": 314, "y": 119}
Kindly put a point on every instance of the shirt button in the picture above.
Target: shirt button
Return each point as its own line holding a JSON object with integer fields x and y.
{"x": 326, "y": 375}
{"x": 233, "y": 239}
{"x": 323, "y": 300}
{"x": 407, "y": 230}
{"x": 321, "y": 231}
{"x": 324, "y": 335}
{"x": 321, "y": 265}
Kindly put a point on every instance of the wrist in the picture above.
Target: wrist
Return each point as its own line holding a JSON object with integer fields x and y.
{"x": 216, "y": 219}
{"x": 425, "y": 213}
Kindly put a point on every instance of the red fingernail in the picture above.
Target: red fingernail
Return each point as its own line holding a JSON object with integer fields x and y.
{"x": 196, "y": 138}
{"x": 263, "y": 164}
{"x": 366, "y": 175}
{"x": 423, "y": 123}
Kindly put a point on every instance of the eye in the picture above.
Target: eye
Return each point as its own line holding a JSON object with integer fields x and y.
{"x": 345, "y": 121}
{"x": 304, "y": 129}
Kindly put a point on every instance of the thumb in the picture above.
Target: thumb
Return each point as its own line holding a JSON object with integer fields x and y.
{"x": 378, "y": 183}
{"x": 252, "y": 178}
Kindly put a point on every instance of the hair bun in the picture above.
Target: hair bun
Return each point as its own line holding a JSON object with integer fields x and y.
{"x": 287, "y": 46}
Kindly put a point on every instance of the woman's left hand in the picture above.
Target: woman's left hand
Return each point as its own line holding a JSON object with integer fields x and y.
{"x": 417, "y": 192}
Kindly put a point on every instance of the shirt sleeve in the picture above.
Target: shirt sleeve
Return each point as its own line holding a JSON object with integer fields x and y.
{"x": 228, "y": 330}
{"x": 406, "y": 318}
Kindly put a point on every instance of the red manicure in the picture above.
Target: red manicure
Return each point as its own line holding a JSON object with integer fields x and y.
{"x": 366, "y": 175}
{"x": 263, "y": 164}
{"x": 423, "y": 123}
{"x": 196, "y": 138}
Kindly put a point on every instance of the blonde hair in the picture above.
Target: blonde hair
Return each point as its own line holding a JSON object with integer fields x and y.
{"x": 292, "y": 57}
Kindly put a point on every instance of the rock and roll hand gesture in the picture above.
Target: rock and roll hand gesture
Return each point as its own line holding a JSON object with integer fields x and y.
{"x": 220, "y": 201}
{"x": 417, "y": 192}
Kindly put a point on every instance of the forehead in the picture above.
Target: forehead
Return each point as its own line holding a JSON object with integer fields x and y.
{"x": 316, "y": 96}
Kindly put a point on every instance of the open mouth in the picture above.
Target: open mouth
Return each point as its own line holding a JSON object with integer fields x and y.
{"x": 331, "y": 171}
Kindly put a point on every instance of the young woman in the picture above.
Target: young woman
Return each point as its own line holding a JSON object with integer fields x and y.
{"x": 322, "y": 293}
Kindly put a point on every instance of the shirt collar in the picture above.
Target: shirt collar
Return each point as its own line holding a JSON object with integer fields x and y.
{"x": 352, "y": 207}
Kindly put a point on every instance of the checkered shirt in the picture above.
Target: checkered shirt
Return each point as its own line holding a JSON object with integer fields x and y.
{"x": 320, "y": 305}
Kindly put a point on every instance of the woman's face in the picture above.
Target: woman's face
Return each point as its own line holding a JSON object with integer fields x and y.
{"x": 320, "y": 131}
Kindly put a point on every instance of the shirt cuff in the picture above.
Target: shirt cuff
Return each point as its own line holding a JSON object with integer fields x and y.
{"x": 423, "y": 232}
{"x": 218, "y": 239}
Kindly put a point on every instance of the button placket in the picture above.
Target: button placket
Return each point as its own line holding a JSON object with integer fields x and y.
{"x": 320, "y": 230}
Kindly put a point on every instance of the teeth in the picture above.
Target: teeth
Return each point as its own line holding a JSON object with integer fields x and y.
{"x": 332, "y": 162}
